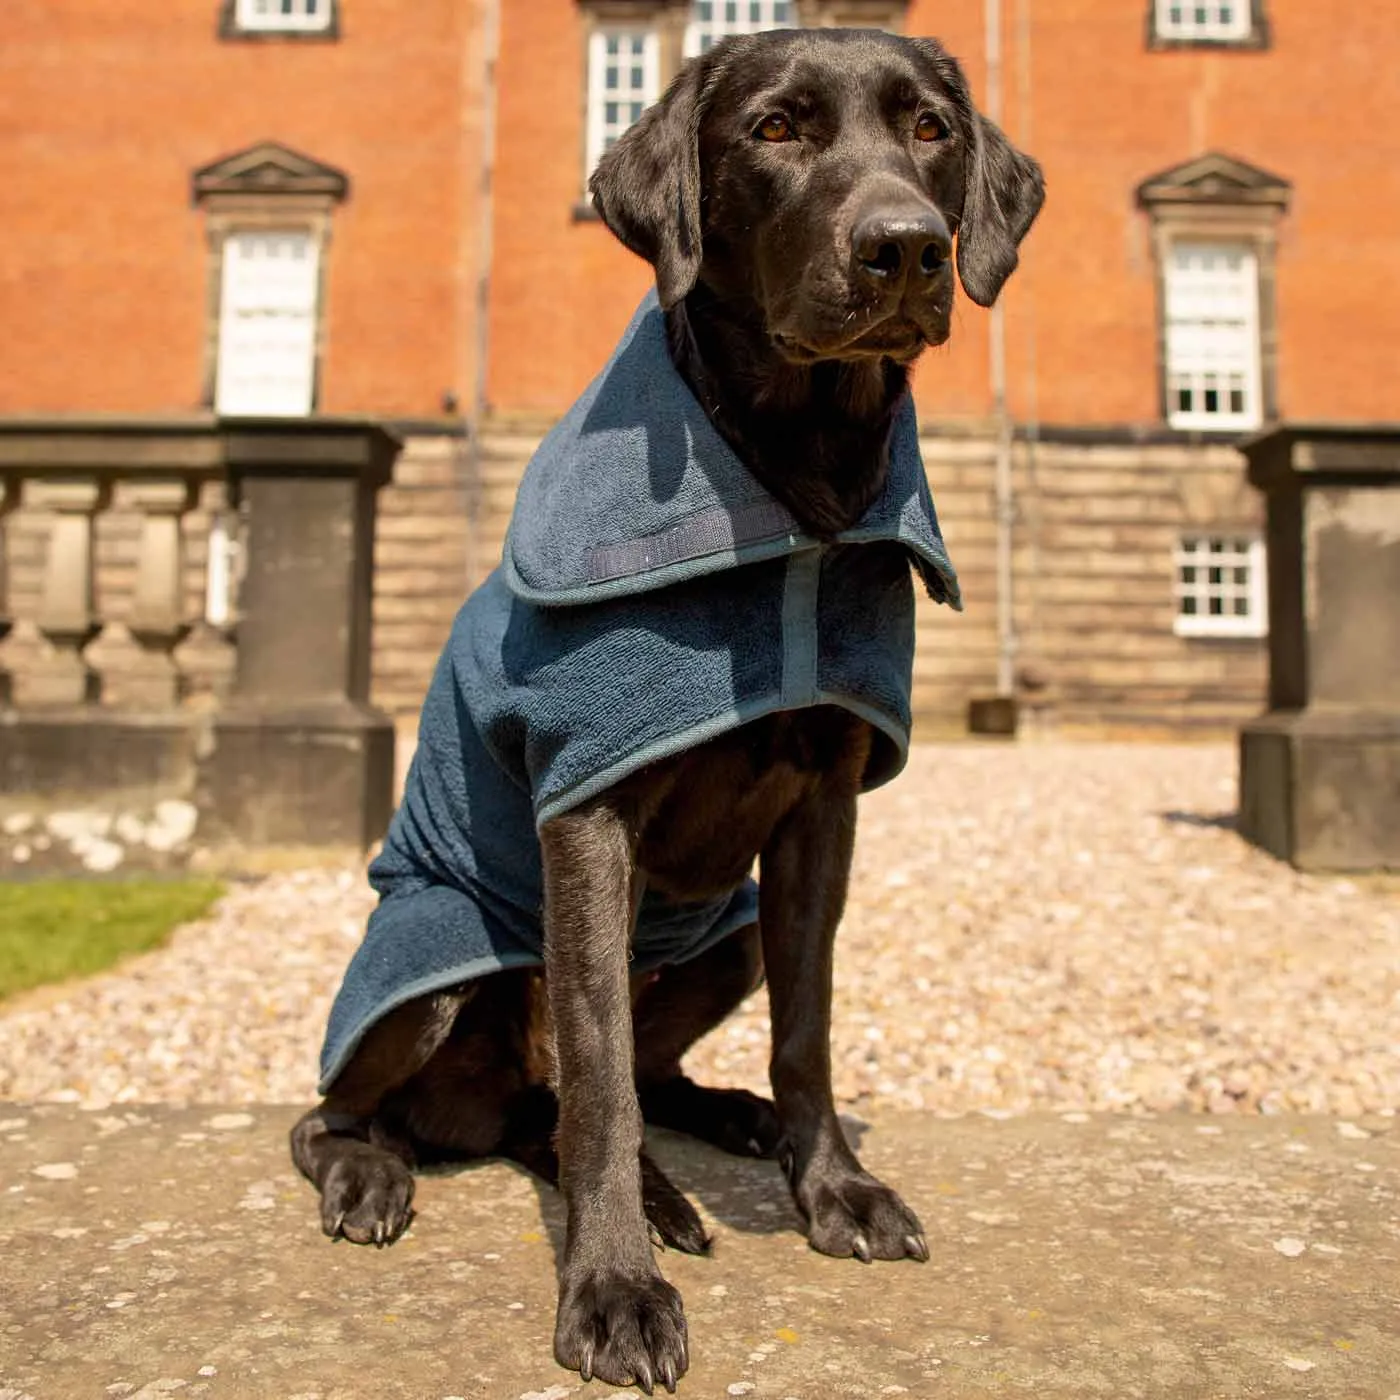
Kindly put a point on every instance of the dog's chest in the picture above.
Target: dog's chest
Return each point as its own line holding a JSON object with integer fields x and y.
{"x": 711, "y": 810}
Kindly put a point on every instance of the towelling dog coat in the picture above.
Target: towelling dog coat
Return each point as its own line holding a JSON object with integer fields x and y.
{"x": 652, "y": 595}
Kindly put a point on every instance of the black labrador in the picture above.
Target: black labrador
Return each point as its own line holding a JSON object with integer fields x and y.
{"x": 798, "y": 194}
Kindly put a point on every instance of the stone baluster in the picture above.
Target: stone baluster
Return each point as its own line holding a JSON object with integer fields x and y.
{"x": 207, "y": 656}
{"x": 157, "y": 620}
{"x": 66, "y": 618}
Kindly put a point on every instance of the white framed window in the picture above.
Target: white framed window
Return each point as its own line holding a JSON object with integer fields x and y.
{"x": 267, "y": 323}
{"x": 1221, "y": 588}
{"x": 1212, "y": 336}
{"x": 712, "y": 20}
{"x": 624, "y": 79}
{"x": 283, "y": 16}
{"x": 1222, "y": 21}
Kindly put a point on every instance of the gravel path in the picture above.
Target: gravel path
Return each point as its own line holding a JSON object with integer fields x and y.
{"x": 1038, "y": 927}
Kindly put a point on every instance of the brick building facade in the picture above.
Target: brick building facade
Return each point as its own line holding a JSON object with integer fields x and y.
{"x": 376, "y": 207}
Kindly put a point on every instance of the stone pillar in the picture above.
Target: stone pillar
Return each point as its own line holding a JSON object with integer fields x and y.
{"x": 299, "y": 756}
{"x": 67, "y": 617}
{"x": 1320, "y": 771}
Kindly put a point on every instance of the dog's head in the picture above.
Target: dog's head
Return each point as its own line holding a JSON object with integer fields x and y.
{"x": 822, "y": 175}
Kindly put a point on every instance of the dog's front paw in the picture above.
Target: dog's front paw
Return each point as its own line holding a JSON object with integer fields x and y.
{"x": 624, "y": 1330}
{"x": 858, "y": 1215}
{"x": 366, "y": 1196}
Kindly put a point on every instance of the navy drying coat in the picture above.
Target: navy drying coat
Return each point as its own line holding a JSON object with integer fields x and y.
{"x": 652, "y": 595}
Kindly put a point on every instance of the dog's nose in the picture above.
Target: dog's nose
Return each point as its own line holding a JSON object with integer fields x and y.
{"x": 889, "y": 246}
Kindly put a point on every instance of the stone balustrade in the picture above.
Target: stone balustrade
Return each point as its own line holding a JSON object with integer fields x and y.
{"x": 169, "y": 586}
{"x": 105, "y": 572}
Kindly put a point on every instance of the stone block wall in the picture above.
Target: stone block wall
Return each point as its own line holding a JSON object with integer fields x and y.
{"x": 1094, "y": 543}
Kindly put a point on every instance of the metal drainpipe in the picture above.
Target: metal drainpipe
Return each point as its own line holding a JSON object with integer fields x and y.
{"x": 1005, "y": 491}
{"x": 482, "y": 308}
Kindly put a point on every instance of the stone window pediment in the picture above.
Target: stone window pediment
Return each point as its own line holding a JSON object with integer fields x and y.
{"x": 1215, "y": 179}
{"x": 269, "y": 168}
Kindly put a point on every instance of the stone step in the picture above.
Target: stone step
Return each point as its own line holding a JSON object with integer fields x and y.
{"x": 155, "y": 1251}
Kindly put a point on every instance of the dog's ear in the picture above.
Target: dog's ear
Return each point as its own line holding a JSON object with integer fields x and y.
{"x": 647, "y": 187}
{"x": 1003, "y": 190}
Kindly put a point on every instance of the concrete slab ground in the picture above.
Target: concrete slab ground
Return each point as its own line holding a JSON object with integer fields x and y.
{"x": 154, "y": 1252}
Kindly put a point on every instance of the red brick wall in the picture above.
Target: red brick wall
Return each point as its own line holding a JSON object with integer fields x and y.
{"x": 1103, "y": 113}
{"x": 561, "y": 289}
{"x": 106, "y": 109}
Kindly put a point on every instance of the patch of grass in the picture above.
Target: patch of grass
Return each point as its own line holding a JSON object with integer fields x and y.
{"x": 54, "y": 930}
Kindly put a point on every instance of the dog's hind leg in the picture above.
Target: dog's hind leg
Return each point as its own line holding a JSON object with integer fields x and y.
{"x": 359, "y": 1162}
{"x": 681, "y": 1005}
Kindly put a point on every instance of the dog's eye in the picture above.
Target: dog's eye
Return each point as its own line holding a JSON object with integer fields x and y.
{"x": 929, "y": 128}
{"x": 775, "y": 128}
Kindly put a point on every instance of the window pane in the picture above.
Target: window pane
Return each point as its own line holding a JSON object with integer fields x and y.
{"x": 1212, "y": 337}
{"x": 1219, "y": 20}
{"x": 1216, "y": 588}
{"x": 283, "y": 16}
{"x": 267, "y": 323}
{"x": 713, "y": 20}
{"x": 622, "y": 83}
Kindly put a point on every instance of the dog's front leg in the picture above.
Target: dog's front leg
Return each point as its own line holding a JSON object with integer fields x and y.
{"x": 802, "y": 892}
{"x": 618, "y": 1318}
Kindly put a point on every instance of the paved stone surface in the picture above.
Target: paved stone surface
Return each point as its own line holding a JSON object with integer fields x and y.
{"x": 148, "y": 1252}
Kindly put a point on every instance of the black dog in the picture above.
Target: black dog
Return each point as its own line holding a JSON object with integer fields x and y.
{"x": 798, "y": 194}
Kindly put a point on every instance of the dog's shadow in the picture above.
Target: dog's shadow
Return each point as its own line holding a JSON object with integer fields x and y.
{"x": 746, "y": 1194}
